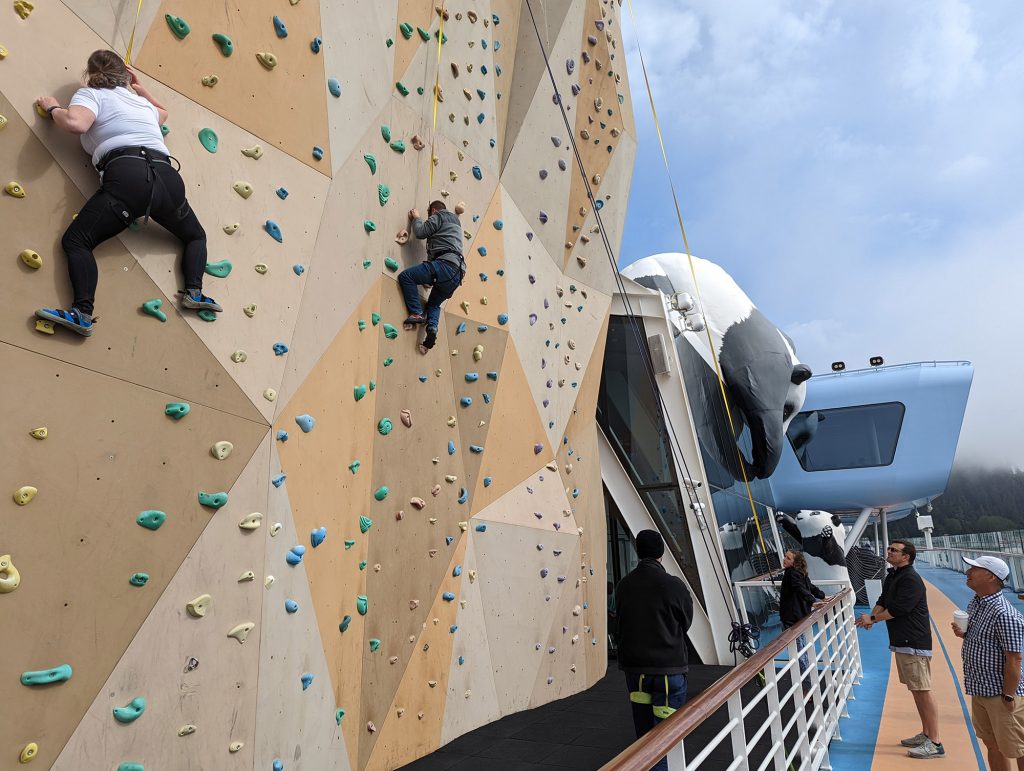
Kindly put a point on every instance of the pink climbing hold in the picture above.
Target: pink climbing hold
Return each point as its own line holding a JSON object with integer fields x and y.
{"x": 538, "y": 448}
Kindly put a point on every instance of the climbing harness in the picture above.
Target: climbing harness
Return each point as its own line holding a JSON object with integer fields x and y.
{"x": 661, "y": 711}
{"x": 437, "y": 91}
{"x": 131, "y": 40}
{"x": 150, "y": 157}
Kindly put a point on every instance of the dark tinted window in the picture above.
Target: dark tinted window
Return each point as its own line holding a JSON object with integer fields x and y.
{"x": 847, "y": 437}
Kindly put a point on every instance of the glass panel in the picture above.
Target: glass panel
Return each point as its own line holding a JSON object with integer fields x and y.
{"x": 847, "y": 437}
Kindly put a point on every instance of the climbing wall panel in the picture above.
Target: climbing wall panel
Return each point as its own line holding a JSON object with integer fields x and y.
{"x": 509, "y": 15}
{"x": 408, "y": 43}
{"x": 213, "y": 676}
{"x": 538, "y": 502}
{"x": 482, "y": 296}
{"x": 129, "y": 458}
{"x": 116, "y": 22}
{"x": 285, "y": 104}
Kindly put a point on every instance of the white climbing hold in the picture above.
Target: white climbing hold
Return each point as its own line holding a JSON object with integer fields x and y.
{"x": 252, "y": 521}
{"x": 235, "y": 746}
{"x": 221, "y": 450}
{"x": 197, "y": 608}
{"x": 186, "y": 730}
{"x": 269, "y": 394}
{"x": 268, "y": 582}
{"x": 241, "y": 631}
{"x": 248, "y": 575}
{"x": 275, "y": 528}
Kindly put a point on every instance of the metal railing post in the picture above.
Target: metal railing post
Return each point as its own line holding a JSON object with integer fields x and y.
{"x": 738, "y": 734}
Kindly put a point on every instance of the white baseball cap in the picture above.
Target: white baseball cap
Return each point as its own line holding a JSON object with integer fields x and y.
{"x": 993, "y": 565}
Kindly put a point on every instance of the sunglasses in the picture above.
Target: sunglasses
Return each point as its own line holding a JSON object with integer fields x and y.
{"x": 894, "y": 550}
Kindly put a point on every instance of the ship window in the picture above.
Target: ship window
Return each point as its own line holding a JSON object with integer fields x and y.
{"x": 847, "y": 437}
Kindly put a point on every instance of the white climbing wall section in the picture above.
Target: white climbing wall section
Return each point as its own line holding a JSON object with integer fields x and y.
{"x": 284, "y": 539}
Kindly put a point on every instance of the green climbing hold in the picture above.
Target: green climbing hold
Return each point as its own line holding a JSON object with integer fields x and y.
{"x": 375, "y": 318}
{"x": 374, "y": 644}
{"x": 402, "y": 88}
{"x": 164, "y": 129}
{"x": 362, "y": 324}
{"x": 138, "y": 579}
{"x": 406, "y": 29}
{"x": 383, "y": 194}
{"x": 151, "y": 520}
{"x": 424, "y": 35}
{"x": 369, "y": 226}
{"x": 388, "y": 361}
{"x": 213, "y": 500}
{"x": 354, "y": 465}
{"x": 371, "y": 161}
{"x": 224, "y": 44}
{"x": 208, "y": 139}
{"x": 384, "y": 427}
{"x": 177, "y": 410}
{"x": 152, "y": 308}
{"x": 365, "y": 523}
{"x": 398, "y": 146}
{"x": 219, "y": 269}
{"x": 381, "y": 494}
{"x": 131, "y": 711}
{"x": 47, "y": 676}
{"x": 362, "y": 604}
{"x": 359, "y": 391}
{"x": 385, "y": 131}
{"x": 207, "y": 315}
{"x": 389, "y": 42}
{"x": 391, "y": 264}
{"x": 390, "y": 332}
{"x": 131, "y": 767}
{"x": 362, "y": 565}
{"x": 373, "y": 385}
{"x": 178, "y": 26}
{"x": 367, "y": 264}
{"x": 338, "y": 715}
{"x": 349, "y": 543}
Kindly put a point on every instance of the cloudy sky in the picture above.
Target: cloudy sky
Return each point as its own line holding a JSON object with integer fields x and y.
{"x": 858, "y": 168}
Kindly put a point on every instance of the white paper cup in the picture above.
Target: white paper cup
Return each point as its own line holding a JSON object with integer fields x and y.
{"x": 960, "y": 619}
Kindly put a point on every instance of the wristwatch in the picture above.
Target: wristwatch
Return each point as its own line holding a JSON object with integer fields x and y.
{"x": 872, "y": 617}
{"x": 49, "y": 110}
{"x": 1008, "y": 698}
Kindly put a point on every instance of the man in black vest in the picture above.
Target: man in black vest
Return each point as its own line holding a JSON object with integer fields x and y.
{"x": 653, "y": 612}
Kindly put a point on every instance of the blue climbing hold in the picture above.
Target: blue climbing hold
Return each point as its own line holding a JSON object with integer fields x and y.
{"x": 282, "y": 193}
{"x": 280, "y": 349}
{"x": 315, "y": 44}
{"x": 483, "y": 276}
{"x": 460, "y": 328}
{"x": 465, "y": 401}
{"x": 273, "y": 231}
{"x": 282, "y": 436}
{"x": 500, "y": 271}
{"x": 316, "y": 537}
{"x": 482, "y": 251}
{"x": 422, "y": 378}
{"x": 463, "y": 495}
{"x": 299, "y": 269}
{"x": 278, "y": 480}
{"x": 495, "y": 20}
{"x": 481, "y": 528}
{"x": 305, "y": 422}
{"x": 462, "y": 660}
{"x": 481, "y": 118}
{"x": 472, "y": 377}
{"x": 279, "y": 28}
{"x": 278, "y": 766}
{"x": 318, "y": 153}
{"x": 448, "y": 540}
{"x": 334, "y": 86}
{"x": 294, "y": 555}
{"x": 307, "y": 680}
{"x": 503, "y": 318}
{"x": 451, "y": 447}
{"x": 492, "y": 375}
{"x": 481, "y": 94}
{"x": 487, "y": 481}
{"x": 476, "y": 449}
{"x": 448, "y": 596}
{"x": 477, "y": 173}
{"x": 575, "y": 492}
{"x": 481, "y": 328}
{"x": 291, "y": 606}
{"x": 457, "y": 571}
{"x": 487, "y": 397}
{"x": 599, "y": 204}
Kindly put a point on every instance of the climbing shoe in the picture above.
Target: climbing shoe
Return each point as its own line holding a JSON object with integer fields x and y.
{"x": 431, "y": 339}
{"x": 73, "y": 319}
{"x": 416, "y": 318}
{"x": 927, "y": 749}
{"x": 195, "y": 299}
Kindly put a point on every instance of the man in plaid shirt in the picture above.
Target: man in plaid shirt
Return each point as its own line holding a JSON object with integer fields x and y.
{"x": 992, "y": 649}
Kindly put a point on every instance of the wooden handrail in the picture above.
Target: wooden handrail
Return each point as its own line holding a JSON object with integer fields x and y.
{"x": 658, "y": 742}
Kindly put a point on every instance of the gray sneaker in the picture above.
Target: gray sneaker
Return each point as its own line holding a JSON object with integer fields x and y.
{"x": 914, "y": 741}
{"x": 927, "y": 749}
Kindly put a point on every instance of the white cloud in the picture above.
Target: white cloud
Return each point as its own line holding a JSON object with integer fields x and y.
{"x": 939, "y": 59}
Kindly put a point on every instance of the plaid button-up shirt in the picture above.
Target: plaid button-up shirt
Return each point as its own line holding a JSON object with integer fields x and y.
{"x": 995, "y": 627}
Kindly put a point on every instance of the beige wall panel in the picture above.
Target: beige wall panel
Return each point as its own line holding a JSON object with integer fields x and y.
{"x": 515, "y": 430}
{"x": 475, "y": 289}
{"x": 563, "y": 671}
{"x": 325, "y": 493}
{"x": 127, "y": 344}
{"x": 418, "y": 14}
{"x": 596, "y": 270}
{"x": 218, "y": 695}
{"x": 614, "y": 34}
{"x": 474, "y": 421}
{"x": 344, "y": 44}
{"x": 529, "y": 72}
{"x": 539, "y": 494}
{"x": 115, "y": 21}
{"x": 403, "y": 462}
{"x": 296, "y": 726}
{"x": 472, "y": 700}
{"x": 286, "y": 106}
{"x": 507, "y": 32}
{"x": 518, "y": 622}
{"x": 111, "y": 454}
{"x": 407, "y": 736}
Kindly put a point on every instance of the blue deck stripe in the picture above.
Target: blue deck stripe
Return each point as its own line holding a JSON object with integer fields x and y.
{"x": 963, "y": 701}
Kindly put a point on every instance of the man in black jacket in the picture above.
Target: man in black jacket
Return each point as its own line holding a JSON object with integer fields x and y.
{"x": 903, "y": 607}
{"x": 653, "y": 612}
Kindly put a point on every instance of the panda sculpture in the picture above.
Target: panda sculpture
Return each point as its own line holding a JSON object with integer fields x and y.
{"x": 821, "y": 536}
{"x": 763, "y": 377}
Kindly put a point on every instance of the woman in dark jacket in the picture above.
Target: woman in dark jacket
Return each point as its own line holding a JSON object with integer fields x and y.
{"x": 797, "y": 597}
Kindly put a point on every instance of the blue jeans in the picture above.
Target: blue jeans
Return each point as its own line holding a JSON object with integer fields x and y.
{"x": 644, "y": 718}
{"x": 441, "y": 276}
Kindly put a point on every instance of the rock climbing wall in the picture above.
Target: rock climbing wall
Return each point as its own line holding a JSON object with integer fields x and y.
{"x": 282, "y": 537}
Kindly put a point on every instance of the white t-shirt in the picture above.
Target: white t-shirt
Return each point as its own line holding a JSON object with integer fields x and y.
{"x": 123, "y": 119}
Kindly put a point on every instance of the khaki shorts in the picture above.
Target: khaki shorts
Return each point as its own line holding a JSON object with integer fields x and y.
{"x": 997, "y": 726}
{"x": 915, "y": 671}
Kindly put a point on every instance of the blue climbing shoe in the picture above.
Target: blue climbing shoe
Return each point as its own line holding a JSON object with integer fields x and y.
{"x": 196, "y": 300}
{"x": 73, "y": 319}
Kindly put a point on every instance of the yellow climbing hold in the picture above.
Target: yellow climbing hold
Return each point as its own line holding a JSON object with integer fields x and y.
{"x": 249, "y": 310}
{"x": 198, "y": 607}
{"x": 236, "y": 746}
{"x": 28, "y": 754}
{"x": 270, "y": 394}
{"x": 3, "y": 52}
{"x": 3, "y": 121}
{"x": 39, "y": 433}
{"x": 248, "y": 575}
{"x": 44, "y": 326}
{"x": 239, "y": 356}
{"x": 24, "y": 8}
{"x": 221, "y": 450}
{"x": 241, "y": 631}
{"x": 24, "y": 494}
{"x": 9, "y": 575}
{"x": 210, "y": 80}
{"x": 252, "y": 521}
{"x": 261, "y": 268}
{"x": 14, "y": 189}
{"x": 255, "y": 152}
{"x": 244, "y": 189}
{"x": 230, "y": 229}
{"x": 267, "y": 59}
{"x": 41, "y": 112}
{"x": 31, "y": 258}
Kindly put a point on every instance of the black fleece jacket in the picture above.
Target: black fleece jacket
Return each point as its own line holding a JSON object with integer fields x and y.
{"x": 796, "y": 596}
{"x": 904, "y": 596}
{"x": 653, "y": 610}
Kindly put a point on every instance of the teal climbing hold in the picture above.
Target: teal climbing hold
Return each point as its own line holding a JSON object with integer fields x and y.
{"x": 178, "y": 26}
{"x": 219, "y": 269}
{"x": 354, "y": 466}
{"x": 388, "y": 361}
{"x": 375, "y": 318}
{"x": 213, "y": 500}
{"x": 131, "y": 712}
{"x": 444, "y": 39}
{"x": 359, "y": 391}
{"x": 130, "y": 767}
{"x": 279, "y": 28}
{"x": 472, "y": 377}
{"x": 164, "y": 129}
{"x": 390, "y": 332}
{"x": 334, "y": 87}
{"x": 338, "y": 715}
{"x": 424, "y": 34}
{"x": 365, "y": 523}
{"x": 46, "y": 676}
{"x": 208, "y": 139}
{"x": 374, "y": 644}
{"x": 371, "y": 161}
{"x": 391, "y": 264}
{"x": 362, "y": 565}
{"x": 406, "y": 29}
{"x": 343, "y": 626}
{"x": 207, "y": 315}
{"x": 389, "y": 42}
{"x": 384, "y": 426}
{"x": 362, "y": 324}
{"x": 381, "y": 494}
{"x": 151, "y": 520}
{"x": 385, "y": 132}
{"x": 402, "y": 88}
{"x": 369, "y": 226}
{"x": 362, "y": 604}
{"x": 373, "y": 385}
{"x": 176, "y": 410}
{"x": 383, "y": 193}
{"x": 152, "y": 308}
{"x": 273, "y": 230}
{"x": 224, "y": 44}
{"x": 315, "y": 44}
{"x": 138, "y": 579}
{"x": 398, "y": 146}
{"x": 349, "y": 543}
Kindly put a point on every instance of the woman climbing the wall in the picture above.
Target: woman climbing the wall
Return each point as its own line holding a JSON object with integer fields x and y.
{"x": 119, "y": 121}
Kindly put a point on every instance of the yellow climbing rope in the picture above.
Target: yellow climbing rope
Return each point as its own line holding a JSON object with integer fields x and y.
{"x": 693, "y": 273}
{"x": 131, "y": 40}
{"x": 437, "y": 93}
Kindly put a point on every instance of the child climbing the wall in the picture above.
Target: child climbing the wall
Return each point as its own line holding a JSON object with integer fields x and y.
{"x": 443, "y": 270}
{"x": 119, "y": 122}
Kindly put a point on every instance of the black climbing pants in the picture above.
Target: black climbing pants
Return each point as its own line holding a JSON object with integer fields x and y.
{"x": 131, "y": 185}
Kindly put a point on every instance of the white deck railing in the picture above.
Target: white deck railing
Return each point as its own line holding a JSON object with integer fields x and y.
{"x": 776, "y": 724}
